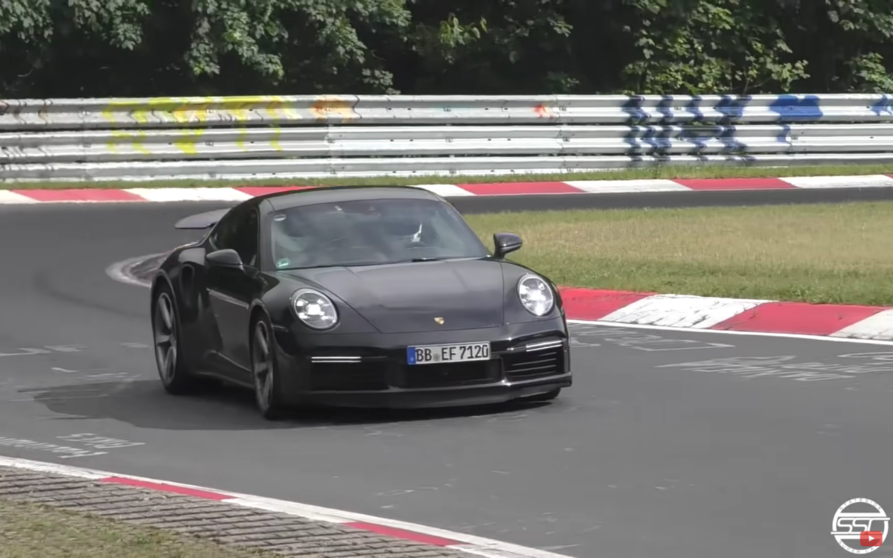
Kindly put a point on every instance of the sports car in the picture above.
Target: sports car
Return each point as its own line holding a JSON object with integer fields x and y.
{"x": 355, "y": 296}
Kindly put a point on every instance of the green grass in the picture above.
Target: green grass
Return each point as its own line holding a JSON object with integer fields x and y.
{"x": 668, "y": 172}
{"x": 34, "y": 531}
{"x": 840, "y": 253}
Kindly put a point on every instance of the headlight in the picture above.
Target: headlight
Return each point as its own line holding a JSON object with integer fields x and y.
{"x": 315, "y": 309}
{"x": 535, "y": 295}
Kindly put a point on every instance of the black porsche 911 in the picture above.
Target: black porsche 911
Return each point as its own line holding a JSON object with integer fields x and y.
{"x": 356, "y": 296}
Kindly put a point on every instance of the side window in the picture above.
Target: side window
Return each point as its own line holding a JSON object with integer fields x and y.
{"x": 239, "y": 231}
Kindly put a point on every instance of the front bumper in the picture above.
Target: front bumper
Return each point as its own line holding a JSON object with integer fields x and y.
{"x": 526, "y": 359}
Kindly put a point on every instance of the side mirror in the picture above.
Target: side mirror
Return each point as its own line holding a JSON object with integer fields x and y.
{"x": 224, "y": 258}
{"x": 506, "y": 243}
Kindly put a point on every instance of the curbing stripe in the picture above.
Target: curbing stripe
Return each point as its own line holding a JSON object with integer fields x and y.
{"x": 432, "y": 536}
{"x": 864, "y": 181}
{"x": 254, "y": 191}
{"x": 162, "y": 487}
{"x": 402, "y": 534}
{"x": 627, "y": 186}
{"x": 80, "y": 195}
{"x": 457, "y": 190}
{"x": 879, "y": 325}
{"x": 593, "y": 304}
{"x": 446, "y": 190}
{"x": 799, "y": 317}
{"x": 689, "y": 312}
{"x": 519, "y": 188}
{"x": 697, "y": 312}
{"x": 10, "y": 197}
{"x": 189, "y": 194}
{"x": 701, "y": 184}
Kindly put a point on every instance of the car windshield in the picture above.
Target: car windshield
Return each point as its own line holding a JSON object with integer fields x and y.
{"x": 371, "y": 232}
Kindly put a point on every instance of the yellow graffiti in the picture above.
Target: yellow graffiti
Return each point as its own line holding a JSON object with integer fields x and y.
{"x": 109, "y": 114}
{"x": 166, "y": 109}
{"x": 186, "y": 113}
{"x": 136, "y": 141}
{"x": 141, "y": 116}
{"x": 274, "y": 141}
{"x": 189, "y": 143}
{"x": 271, "y": 109}
{"x": 240, "y": 139}
{"x": 239, "y": 114}
{"x": 201, "y": 109}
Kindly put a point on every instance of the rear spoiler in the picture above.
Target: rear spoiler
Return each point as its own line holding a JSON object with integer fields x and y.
{"x": 202, "y": 220}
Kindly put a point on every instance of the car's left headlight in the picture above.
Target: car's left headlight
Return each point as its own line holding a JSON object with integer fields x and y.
{"x": 536, "y": 295}
{"x": 315, "y": 309}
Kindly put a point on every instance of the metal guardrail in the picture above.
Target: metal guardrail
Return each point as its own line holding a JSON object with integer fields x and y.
{"x": 331, "y": 136}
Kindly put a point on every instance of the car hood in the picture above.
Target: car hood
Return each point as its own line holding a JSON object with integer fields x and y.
{"x": 400, "y": 298}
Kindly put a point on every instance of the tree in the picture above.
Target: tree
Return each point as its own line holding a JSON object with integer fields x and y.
{"x": 70, "y": 48}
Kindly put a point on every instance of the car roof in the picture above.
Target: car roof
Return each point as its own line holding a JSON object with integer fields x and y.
{"x": 330, "y": 194}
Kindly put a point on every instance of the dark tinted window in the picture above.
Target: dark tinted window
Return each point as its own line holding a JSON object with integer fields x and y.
{"x": 371, "y": 232}
{"x": 239, "y": 231}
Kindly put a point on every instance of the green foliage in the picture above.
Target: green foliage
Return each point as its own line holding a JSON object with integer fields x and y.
{"x": 64, "y": 48}
{"x": 721, "y": 46}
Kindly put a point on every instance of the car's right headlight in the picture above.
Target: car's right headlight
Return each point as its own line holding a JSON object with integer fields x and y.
{"x": 315, "y": 309}
{"x": 535, "y": 295}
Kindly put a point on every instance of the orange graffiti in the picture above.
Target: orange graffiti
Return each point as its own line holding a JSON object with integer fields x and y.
{"x": 326, "y": 108}
{"x": 542, "y": 111}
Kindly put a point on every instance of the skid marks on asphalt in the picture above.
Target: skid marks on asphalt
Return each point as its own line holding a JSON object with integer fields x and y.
{"x": 82, "y": 371}
{"x": 69, "y": 446}
{"x": 793, "y": 367}
{"x": 799, "y": 368}
{"x": 61, "y": 373}
{"x": 587, "y": 336}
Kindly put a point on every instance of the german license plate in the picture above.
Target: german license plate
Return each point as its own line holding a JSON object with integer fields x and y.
{"x": 456, "y": 352}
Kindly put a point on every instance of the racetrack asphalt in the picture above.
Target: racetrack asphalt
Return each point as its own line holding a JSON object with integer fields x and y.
{"x": 642, "y": 458}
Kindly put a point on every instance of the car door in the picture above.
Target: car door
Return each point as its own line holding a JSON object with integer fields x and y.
{"x": 231, "y": 290}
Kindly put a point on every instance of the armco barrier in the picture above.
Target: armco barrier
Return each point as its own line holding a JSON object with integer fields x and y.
{"x": 348, "y": 135}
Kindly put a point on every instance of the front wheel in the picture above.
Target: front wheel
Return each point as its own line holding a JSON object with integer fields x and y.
{"x": 172, "y": 370}
{"x": 265, "y": 370}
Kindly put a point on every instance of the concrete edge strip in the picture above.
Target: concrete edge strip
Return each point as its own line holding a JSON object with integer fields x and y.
{"x": 841, "y": 322}
{"x": 236, "y": 194}
{"x": 412, "y": 532}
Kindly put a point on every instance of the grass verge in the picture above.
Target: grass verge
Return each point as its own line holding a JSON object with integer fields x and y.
{"x": 668, "y": 172}
{"x": 840, "y": 253}
{"x": 35, "y": 531}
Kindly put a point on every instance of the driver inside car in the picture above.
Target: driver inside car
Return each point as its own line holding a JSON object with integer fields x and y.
{"x": 328, "y": 236}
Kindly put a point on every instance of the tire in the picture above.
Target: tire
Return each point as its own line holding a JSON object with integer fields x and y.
{"x": 172, "y": 370}
{"x": 265, "y": 370}
{"x": 548, "y": 396}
